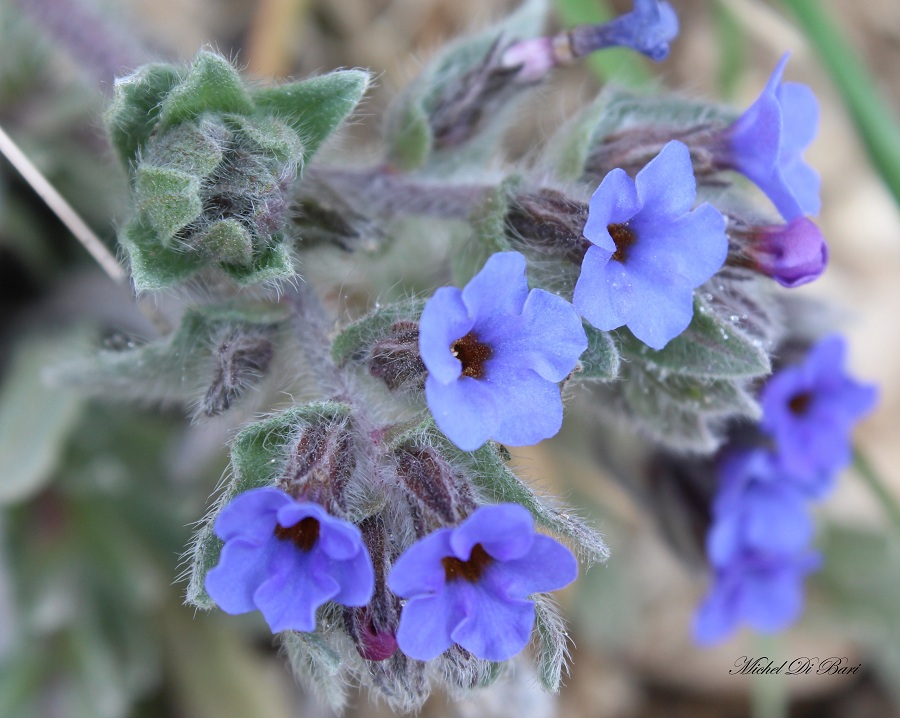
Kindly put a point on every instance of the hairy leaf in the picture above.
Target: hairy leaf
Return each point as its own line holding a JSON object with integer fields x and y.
{"x": 355, "y": 340}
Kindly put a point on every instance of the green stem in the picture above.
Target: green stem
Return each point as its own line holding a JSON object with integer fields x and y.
{"x": 768, "y": 693}
{"x": 874, "y": 121}
{"x": 888, "y": 500}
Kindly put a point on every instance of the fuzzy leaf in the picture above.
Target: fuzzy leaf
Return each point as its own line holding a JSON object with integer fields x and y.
{"x": 193, "y": 148}
{"x": 270, "y": 136}
{"x": 228, "y": 241}
{"x": 710, "y": 348}
{"x": 211, "y": 85}
{"x": 317, "y": 666}
{"x": 135, "y": 107}
{"x": 167, "y": 199}
{"x": 154, "y": 266}
{"x": 258, "y": 457}
{"x": 35, "y": 418}
{"x": 551, "y": 643}
{"x": 273, "y": 264}
{"x": 316, "y": 107}
{"x": 354, "y": 341}
{"x": 601, "y": 358}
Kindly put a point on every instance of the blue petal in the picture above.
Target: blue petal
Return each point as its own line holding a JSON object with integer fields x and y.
{"x": 528, "y": 408}
{"x": 464, "y": 410}
{"x": 495, "y": 628}
{"x": 497, "y": 292}
{"x": 666, "y": 185}
{"x": 547, "y": 337}
{"x": 444, "y": 320}
{"x": 717, "y": 616}
{"x": 615, "y": 201}
{"x": 603, "y": 293}
{"x": 771, "y": 600}
{"x": 547, "y": 566}
{"x": 666, "y": 309}
{"x": 297, "y": 585}
{"x": 506, "y": 531}
{"x": 356, "y": 579}
{"x": 419, "y": 569}
{"x": 242, "y": 568}
{"x": 800, "y": 116}
{"x": 690, "y": 248}
{"x": 426, "y": 623}
{"x": 251, "y": 515}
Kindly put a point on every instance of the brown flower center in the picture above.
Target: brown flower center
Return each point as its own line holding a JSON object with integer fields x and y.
{"x": 304, "y": 533}
{"x": 472, "y": 354}
{"x": 799, "y": 403}
{"x": 471, "y": 570}
{"x": 624, "y": 237}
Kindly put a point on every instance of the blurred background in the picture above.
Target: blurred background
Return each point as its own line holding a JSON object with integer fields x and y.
{"x": 97, "y": 499}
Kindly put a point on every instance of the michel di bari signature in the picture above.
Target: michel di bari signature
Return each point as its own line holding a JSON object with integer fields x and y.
{"x": 762, "y": 666}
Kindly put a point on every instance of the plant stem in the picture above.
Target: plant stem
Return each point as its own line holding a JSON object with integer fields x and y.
{"x": 886, "y": 497}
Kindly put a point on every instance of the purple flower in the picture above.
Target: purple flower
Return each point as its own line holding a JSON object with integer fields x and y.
{"x": 766, "y": 144}
{"x": 649, "y": 251}
{"x": 647, "y": 29}
{"x": 495, "y": 353}
{"x": 792, "y": 254}
{"x": 757, "y": 509}
{"x": 469, "y": 584}
{"x": 286, "y": 558}
{"x": 764, "y": 590}
{"x": 809, "y": 410}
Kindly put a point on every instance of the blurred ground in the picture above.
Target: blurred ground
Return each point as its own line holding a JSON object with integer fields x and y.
{"x": 642, "y": 664}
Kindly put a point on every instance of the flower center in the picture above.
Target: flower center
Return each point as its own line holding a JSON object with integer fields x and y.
{"x": 472, "y": 354}
{"x": 624, "y": 237}
{"x": 799, "y": 403}
{"x": 471, "y": 570}
{"x": 304, "y": 533}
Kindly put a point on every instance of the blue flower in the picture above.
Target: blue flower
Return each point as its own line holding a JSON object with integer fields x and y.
{"x": 469, "y": 584}
{"x": 648, "y": 250}
{"x": 765, "y": 590}
{"x": 766, "y": 144}
{"x": 287, "y": 558}
{"x": 757, "y": 509}
{"x": 810, "y": 409}
{"x": 495, "y": 353}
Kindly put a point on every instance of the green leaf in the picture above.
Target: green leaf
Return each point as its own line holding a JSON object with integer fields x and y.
{"x": 355, "y": 339}
{"x": 273, "y": 265}
{"x": 192, "y": 148}
{"x": 270, "y": 136}
{"x": 316, "y": 107}
{"x": 258, "y": 456}
{"x": 134, "y": 111}
{"x": 154, "y": 266}
{"x": 211, "y": 85}
{"x": 35, "y": 418}
{"x": 167, "y": 200}
{"x": 710, "y": 348}
{"x": 227, "y": 241}
{"x": 601, "y": 358}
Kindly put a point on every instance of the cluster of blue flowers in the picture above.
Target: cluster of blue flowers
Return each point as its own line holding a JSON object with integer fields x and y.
{"x": 758, "y": 544}
{"x": 468, "y": 585}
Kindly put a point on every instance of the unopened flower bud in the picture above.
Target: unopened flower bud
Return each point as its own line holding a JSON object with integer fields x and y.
{"x": 548, "y": 222}
{"x": 242, "y": 357}
{"x": 320, "y": 464}
{"x": 395, "y": 359}
{"x": 792, "y": 254}
{"x": 431, "y": 483}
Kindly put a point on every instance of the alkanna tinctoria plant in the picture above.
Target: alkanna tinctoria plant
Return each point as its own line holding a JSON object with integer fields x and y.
{"x": 638, "y": 259}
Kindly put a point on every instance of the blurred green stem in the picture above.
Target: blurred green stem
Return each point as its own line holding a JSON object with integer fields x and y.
{"x": 768, "y": 693}
{"x": 887, "y": 499}
{"x": 874, "y": 120}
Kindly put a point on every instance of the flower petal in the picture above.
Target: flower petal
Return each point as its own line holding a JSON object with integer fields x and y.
{"x": 495, "y": 628}
{"x": 242, "y": 568}
{"x": 419, "y": 570}
{"x": 603, "y": 293}
{"x": 529, "y": 408}
{"x": 615, "y": 201}
{"x": 465, "y": 410}
{"x": 506, "y": 531}
{"x": 356, "y": 579}
{"x": 426, "y": 623}
{"x": 666, "y": 185}
{"x": 444, "y": 320}
{"x": 547, "y": 566}
{"x": 497, "y": 292}
{"x": 666, "y": 309}
{"x": 251, "y": 515}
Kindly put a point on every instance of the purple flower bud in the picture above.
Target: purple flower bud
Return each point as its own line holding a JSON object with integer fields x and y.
{"x": 469, "y": 585}
{"x": 534, "y": 58}
{"x": 766, "y": 144}
{"x": 286, "y": 558}
{"x": 395, "y": 358}
{"x": 647, "y": 29}
{"x": 792, "y": 254}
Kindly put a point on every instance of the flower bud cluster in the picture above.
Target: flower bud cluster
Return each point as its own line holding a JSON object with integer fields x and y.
{"x": 758, "y": 542}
